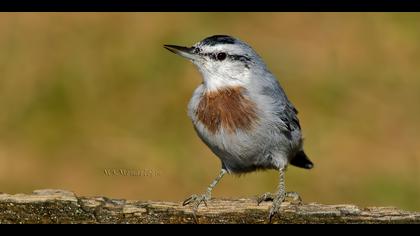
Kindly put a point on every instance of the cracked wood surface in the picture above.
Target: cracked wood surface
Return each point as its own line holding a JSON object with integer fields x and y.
{"x": 59, "y": 206}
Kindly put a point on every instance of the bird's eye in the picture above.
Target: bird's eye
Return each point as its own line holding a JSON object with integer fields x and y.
{"x": 221, "y": 56}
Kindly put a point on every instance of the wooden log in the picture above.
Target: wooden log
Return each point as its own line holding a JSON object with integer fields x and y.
{"x": 59, "y": 206}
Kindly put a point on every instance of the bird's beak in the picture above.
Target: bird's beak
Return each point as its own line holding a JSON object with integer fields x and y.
{"x": 182, "y": 51}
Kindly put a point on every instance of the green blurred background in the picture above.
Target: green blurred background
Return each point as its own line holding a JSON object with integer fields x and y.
{"x": 84, "y": 92}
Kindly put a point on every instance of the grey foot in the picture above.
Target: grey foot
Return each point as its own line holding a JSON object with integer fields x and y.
{"x": 269, "y": 197}
{"x": 195, "y": 201}
{"x": 275, "y": 207}
{"x": 277, "y": 200}
{"x": 266, "y": 197}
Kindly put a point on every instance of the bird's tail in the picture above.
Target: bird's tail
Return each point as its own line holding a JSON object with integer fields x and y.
{"x": 301, "y": 160}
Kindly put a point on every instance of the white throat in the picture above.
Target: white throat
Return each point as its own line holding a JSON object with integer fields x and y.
{"x": 214, "y": 81}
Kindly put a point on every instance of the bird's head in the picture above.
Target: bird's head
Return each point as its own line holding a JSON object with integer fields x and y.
{"x": 223, "y": 61}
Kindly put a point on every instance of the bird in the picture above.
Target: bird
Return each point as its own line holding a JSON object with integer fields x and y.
{"x": 241, "y": 112}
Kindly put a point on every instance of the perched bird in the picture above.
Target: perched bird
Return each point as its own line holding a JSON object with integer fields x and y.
{"x": 242, "y": 114}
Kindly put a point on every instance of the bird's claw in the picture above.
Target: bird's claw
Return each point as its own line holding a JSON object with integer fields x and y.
{"x": 275, "y": 207}
{"x": 265, "y": 198}
{"x": 295, "y": 198}
{"x": 277, "y": 201}
{"x": 269, "y": 197}
{"x": 195, "y": 201}
{"x": 274, "y": 210}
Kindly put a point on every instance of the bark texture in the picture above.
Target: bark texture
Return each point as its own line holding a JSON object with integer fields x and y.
{"x": 59, "y": 206}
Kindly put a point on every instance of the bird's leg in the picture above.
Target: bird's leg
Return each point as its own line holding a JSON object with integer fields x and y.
{"x": 196, "y": 200}
{"x": 279, "y": 197}
{"x": 294, "y": 196}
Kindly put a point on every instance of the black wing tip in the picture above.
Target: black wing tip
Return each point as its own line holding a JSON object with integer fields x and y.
{"x": 309, "y": 166}
{"x": 301, "y": 160}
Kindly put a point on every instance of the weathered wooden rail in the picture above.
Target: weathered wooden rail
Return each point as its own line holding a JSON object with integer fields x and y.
{"x": 59, "y": 206}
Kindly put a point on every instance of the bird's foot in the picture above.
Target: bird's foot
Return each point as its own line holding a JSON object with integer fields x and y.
{"x": 195, "y": 201}
{"x": 266, "y": 197}
{"x": 269, "y": 197}
{"x": 275, "y": 207}
{"x": 277, "y": 200}
{"x": 294, "y": 197}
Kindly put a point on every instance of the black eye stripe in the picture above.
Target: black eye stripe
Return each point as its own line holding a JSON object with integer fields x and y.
{"x": 197, "y": 50}
{"x": 210, "y": 55}
{"x": 213, "y": 56}
{"x": 239, "y": 58}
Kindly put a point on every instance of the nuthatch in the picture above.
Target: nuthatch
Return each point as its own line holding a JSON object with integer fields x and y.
{"x": 242, "y": 114}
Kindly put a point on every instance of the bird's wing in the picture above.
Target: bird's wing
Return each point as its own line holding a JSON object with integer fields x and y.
{"x": 283, "y": 109}
{"x": 288, "y": 115}
{"x": 289, "y": 125}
